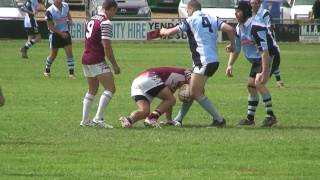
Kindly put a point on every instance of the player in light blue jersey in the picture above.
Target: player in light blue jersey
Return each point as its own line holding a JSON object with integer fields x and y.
{"x": 256, "y": 42}
{"x": 58, "y": 21}
{"x": 30, "y": 7}
{"x": 202, "y": 31}
{"x": 263, "y": 15}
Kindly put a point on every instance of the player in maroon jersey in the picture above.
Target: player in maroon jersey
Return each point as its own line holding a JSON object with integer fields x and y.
{"x": 98, "y": 36}
{"x": 160, "y": 82}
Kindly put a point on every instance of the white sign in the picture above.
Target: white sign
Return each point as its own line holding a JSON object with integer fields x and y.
{"x": 132, "y": 30}
{"x": 129, "y": 30}
{"x": 77, "y": 30}
{"x": 309, "y": 33}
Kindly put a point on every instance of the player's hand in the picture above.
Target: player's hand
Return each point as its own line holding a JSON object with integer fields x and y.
{"x": 64, "y": 35}
{"x": 261, "y": 78}
{"x": 163, "y": 31}
{"x": 69, "y": 22}
{"x": 229, "y": 71}
{"x": 229, "y": 48}
{"x": 116, "y": 69}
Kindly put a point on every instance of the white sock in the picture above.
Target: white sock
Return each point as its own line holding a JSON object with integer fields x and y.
{"x": 87, "y": 101}
{"x": 104, "y": 101}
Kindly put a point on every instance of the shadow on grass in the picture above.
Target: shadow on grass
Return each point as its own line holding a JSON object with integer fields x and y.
{"x": 195, "y": 126}
{"x": 26, "y": 143}
{"x": 34, "y": 175}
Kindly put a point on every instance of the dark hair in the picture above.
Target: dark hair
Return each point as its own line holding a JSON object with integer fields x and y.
{"x": 108, "y": 4}
{"x": 194, "y": 4}
{"x": 259, "y": 1}
{"x": 245, "y": 8}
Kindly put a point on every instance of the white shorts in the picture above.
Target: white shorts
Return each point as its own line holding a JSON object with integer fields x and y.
{"x": 94, "y": 70}
{"x": 141, "y": 85}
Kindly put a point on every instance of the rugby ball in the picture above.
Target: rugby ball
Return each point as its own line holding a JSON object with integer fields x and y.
{"x": 184, "y": 93}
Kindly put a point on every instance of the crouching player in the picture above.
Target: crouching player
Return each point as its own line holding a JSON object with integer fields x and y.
{"x": 159, "y": 82}
{"x": 259, "y": 49}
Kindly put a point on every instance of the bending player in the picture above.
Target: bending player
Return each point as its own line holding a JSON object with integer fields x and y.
{"x": 159, "y": 82}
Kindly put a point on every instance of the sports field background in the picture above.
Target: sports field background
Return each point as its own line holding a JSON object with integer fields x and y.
{"x": 40, "y": 137}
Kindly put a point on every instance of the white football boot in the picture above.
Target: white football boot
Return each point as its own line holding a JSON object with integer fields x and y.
{"x": 125, "y": 123}
{"x": 151, "y": 123}
{"x": 100, "y": 123}
{"x": 85, "y": 123}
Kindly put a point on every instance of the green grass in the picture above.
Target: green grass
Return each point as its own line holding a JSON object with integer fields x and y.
{"x": 40, "y": 136}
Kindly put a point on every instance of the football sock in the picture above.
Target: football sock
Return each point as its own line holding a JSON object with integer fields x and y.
{"x": 209, "y": 107}
{"x": 277, "y": 75}
{"x": 104, "y": 101}
{"x": 253, "y": 102}
{"x": 87, "y": 101}
{"x": 267, "y": 104}
{"x": 29, "y": 44}
{"x": 48, "y": 65}
{"x": 70, "y": 63}
{"x": 183, "y": 111}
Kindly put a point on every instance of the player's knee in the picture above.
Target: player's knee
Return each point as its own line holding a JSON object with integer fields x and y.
{"x": 195, "y": 94}
{"x": 112, "y": 90}
{"x": 93, "y": 91}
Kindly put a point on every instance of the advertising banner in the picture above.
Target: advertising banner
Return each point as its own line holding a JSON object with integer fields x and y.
{"x": 133, "y": 30}
{"x": 309, "y": 33}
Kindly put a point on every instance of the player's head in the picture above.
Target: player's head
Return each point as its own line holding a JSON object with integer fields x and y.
{"x": 243, "y": 11}
{"x": 192, "y": 6}
{"x": 110, "y": 7}
{"x": 57, "y": 3}
{"x": 255, "y": 4}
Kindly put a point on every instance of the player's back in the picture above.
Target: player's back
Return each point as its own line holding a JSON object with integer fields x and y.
{"x": 203, "y": 35}
{"x": 98, "y": 28}
{"x": 171, "y": 76}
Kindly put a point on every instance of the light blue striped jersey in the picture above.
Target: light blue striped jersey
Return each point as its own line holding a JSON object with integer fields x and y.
{"x": 245, "y": 40}
{"x": 202, "y": 31}
{"x": 29, "y": 19}
{"x": 263, "y": 36}
{"x": 263, "y": 17}
{"x": 59, "y": 18}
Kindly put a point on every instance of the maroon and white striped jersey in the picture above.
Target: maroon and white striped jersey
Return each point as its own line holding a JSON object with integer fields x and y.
{"x": 99, "y": 27}
{"x": 172, "y": 77}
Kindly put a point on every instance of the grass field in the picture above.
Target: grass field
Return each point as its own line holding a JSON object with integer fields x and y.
{"x": 40, "y": 137}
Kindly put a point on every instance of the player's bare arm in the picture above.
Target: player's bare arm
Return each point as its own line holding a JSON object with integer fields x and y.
{"x": 233, "y": 56}
{"x": 69, "y": 19}
{"x": 230, "y": 33}
{"x": 263, "y": 76}
{"x": 109, "y": 53}
{"x": 168, "y": 32}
